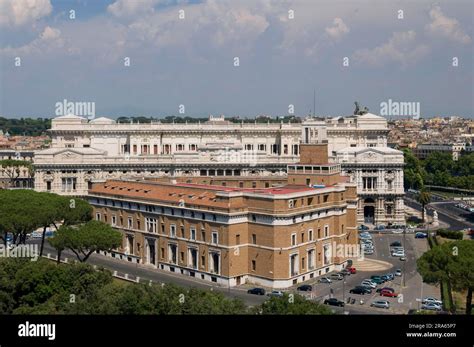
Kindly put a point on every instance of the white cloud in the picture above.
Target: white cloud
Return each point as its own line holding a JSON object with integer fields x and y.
{"x": 19, "y": 12}
{"x": 446, "y": 27}
{"x": 49, "y": 39}
{"x": 338, "y": 30}
{"x": 400, "y": 48}
{"x": 129, "y": 8}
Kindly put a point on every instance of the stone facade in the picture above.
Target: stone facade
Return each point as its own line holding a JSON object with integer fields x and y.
{"x": 85, "y": 151}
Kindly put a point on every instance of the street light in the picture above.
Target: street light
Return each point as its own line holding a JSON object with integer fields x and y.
{"x": 404, "y": 248}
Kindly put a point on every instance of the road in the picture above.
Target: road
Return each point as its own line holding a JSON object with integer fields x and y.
{"x": 447, "y": 213}
{"x": 157, "y": 276}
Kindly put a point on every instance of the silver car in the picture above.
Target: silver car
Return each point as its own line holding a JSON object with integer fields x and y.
{"x": 380, "y": 304}
{"x": 325, "y": 280}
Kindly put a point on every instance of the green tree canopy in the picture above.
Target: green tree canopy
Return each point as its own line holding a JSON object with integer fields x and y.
{"x": 451, "y": 261}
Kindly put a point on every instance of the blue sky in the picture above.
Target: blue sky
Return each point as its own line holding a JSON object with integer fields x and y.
{"x": 190, "y": 61}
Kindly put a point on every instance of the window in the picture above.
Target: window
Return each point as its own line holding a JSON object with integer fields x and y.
{"x": 302, "y": 262}
{"x": 325, "y": 198}
{"x": 241, "y": 184}
{"x": 150, "y": 225}
{"x": 162, "y": 253}
{"x": 254, "y": 265}
{"x": 114, "y": 220}
{"x": 302, "y": 237}
{"x": 262, "y": 147}
{"x": 130, "y": 223}
{"x": 254, "y": 239}
{"x": 237, "y": 239}
{"x": 203, "y": 236}
{"x": 215, "y": 237}
{"x": 68, "y": 184}
{"x": 181, "y": 257}
{"x": 311, "y": 265}
{"x": 249, "y": 147}
{"x": 192, "y": 233}
{"x": 173, "y": 230}
{"x": 326, "y": 230}
{"x": 182, "y": 231}
{"x": 203, "y": 261}
{"x": 310, "y": 234}
{"x": 97, "y": 216}
{"x": 48, "y": 186}
{"x": 254, "y": 184}
{"x": 319, "y": 233}
{"x": 293, "y": 239}
{"x": 139, "y": 227}
{"x": 291, "y": 203}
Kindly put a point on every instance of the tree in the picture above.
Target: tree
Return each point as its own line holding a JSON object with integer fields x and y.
{"x": 88, "y": 238}
{"x": 424, "y": 198}
{"x": 453, "y": 262}
{"x": 294, "y": 304}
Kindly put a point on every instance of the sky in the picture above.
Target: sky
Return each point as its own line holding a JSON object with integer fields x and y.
{"x": 236, "y": 57}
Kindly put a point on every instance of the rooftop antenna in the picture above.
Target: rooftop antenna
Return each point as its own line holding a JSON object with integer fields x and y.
{"x": 314, "y": 102}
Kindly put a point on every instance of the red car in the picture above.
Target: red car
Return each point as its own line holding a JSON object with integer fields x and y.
{"x": 388, "y": 293}
{"x": 351, "y": 269}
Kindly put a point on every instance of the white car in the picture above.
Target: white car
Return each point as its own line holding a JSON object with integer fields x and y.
{"x": 325, "y": 280}
{"x": 431, "y": 306}
{"x": 380, "y": 304}
{"x": 398, "y": 272}
{"x": 431, "y": 300}
{"x": 276, "y": 293}
{"x": 398, "y": 254}
{"x": 368, "y": 251}
{"x": 368, "y": 283}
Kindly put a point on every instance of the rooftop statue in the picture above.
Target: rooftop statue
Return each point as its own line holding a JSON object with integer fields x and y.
{"x": 358, "y": 111}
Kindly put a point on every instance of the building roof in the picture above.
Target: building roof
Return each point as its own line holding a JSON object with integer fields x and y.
{"x": 382, "y": 150}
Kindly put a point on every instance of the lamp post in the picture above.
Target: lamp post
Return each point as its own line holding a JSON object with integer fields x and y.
{"x": 404, "y": 248}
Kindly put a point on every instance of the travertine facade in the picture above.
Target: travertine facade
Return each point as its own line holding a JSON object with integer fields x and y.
{"x": 83, "y": 151}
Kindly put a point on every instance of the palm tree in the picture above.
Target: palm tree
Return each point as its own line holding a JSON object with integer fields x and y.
{"x": 424, "y": 198}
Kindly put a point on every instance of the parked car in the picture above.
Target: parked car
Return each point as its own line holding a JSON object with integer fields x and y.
{"x": 305, "y": 288}
{"x": 398, "y": 272}
{"x": 431, "y": 306}
{"x": 380, "y": 227}
{"x": 345, "y": 272}
{"x": 430, "y": 299}
{"x": 368, "y": 251}
{"x": 396, "y": 244}
{"x": 363, "y": 227}
{"x": 352, "y": 270}
{"x": 385, "y": 278}
{"x": 334, "y": 302}
{"x": 420, "y": 235}
{"x": 368, "y": 283}
{"x": 36, "y": 235}
{"x": 256, "y": 291}
{"x": 402, "y": 258}
{"x": 397, "y": 249}
{"x": 390, "y": 276}
{"x": 376, "y": 279}
{"x": 325, "y": 280}
{"x": 365, "y": 236}
{"x": 337, "y": 277}
{"x": 367, "y": 241}
{"x": 275, "y": 293}
{"x": 360, "y": 290}
{"x": 389, "y": 293}
{"x": 380, "y": 304}
{"x": 385, "y": 288}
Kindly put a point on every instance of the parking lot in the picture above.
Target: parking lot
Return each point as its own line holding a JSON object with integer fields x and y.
{"x": 409, "y": 286}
